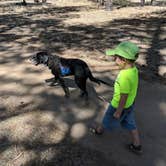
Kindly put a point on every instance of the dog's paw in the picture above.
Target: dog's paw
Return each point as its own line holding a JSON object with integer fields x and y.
{"x": 50, "y": 80}
{"x": 67, "y": 95}
{"x": 52, "y": 84}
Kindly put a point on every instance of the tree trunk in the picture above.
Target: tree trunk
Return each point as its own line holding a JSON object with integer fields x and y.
{"x": 36, "y": 1}
{"x": 108, "y": 5}
{"x": 142, "y": 2}
{"x": 24, "y": 2}
{"x": 151, "y": 2}
{"x": 101, "y": 2}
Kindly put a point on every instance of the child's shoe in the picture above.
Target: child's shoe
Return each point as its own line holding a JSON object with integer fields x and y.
{"x": 135, "y": 149}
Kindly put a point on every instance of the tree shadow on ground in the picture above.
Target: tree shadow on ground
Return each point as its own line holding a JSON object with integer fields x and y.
{"x": 128, "y": 3}
{"x": 17, "y": 4}
{"x": 146, "y": 31}
{"x": 36, "y": 127}
{"x": 38, "y": 114}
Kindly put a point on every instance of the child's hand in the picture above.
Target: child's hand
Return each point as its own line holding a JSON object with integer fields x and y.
{"x": 122, "y": 102}
{"x": 117, "y": 114}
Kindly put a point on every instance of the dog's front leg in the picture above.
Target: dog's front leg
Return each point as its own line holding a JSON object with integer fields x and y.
{"x": 51, "y": 81}
{"x": 54, "y": 81}
{"x": 65, "y": 88}
{"x": 57, "y": 74}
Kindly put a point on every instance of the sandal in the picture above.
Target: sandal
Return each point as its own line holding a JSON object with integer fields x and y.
{"x": 135, "y": 149}
{"x": 96, "y": 130}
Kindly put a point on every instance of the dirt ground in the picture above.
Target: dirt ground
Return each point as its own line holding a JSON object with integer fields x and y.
{"x": 38, "y": 125}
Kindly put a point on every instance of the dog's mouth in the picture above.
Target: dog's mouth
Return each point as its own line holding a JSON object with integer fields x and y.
{"x": 33, "y": 61}
{"x": 41, "y": 60}
{"x": 45, "y": 64}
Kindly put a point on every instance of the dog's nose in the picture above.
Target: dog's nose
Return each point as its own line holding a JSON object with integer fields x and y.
{"x": 31, "y": 59}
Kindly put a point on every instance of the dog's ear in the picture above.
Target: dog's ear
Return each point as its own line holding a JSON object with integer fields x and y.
{"x": 55, "y": 56}
{"x": 45, "y": 53}
{"x": 42, "y": 53}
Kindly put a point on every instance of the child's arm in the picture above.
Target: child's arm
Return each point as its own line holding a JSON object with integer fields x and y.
{"x": 122, "y": 102}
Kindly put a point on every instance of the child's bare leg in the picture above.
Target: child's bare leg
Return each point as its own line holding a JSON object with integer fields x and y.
{"x": 135, "y": 146}
{"x": 135, "y": 137}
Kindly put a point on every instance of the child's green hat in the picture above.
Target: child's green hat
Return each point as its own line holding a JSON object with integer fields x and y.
{"x": 126, "y": 50}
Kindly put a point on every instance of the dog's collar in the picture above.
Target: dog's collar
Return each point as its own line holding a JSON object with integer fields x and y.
{"x": 53, "y": 61}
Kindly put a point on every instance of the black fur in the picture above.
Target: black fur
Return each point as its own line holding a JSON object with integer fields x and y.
{"x": 77, "y": 67}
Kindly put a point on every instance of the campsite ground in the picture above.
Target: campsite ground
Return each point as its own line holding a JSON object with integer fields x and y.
{"x": 38, "y": 126}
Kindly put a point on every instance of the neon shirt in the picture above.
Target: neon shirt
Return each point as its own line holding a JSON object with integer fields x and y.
{"x": 125, "y": 83}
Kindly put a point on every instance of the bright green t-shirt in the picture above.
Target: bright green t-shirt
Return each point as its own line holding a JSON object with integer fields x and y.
{"x": 125, "y": 83}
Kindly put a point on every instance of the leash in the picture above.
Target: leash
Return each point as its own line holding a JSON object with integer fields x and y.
{"x": 102, "y": 98}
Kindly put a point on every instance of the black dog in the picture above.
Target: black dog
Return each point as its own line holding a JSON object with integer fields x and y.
{"x": 61, "y": 67}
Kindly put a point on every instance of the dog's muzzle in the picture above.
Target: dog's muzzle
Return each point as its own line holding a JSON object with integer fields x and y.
{"x": 33, "y": 60}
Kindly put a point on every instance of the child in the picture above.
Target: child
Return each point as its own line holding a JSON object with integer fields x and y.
{"x": 121, "y": 108}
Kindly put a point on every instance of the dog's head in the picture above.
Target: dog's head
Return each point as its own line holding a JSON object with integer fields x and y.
{"x": 40, "y": 58}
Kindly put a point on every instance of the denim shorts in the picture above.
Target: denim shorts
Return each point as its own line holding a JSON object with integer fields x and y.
{"x": 126, "y": 120}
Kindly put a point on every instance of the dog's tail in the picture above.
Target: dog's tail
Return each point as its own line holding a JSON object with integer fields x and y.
{"x": 98, "y": 81}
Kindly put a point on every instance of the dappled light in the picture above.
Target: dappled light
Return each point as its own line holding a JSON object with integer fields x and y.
{"x": 38, "y": 125}
{"x": 78, "y": 130}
